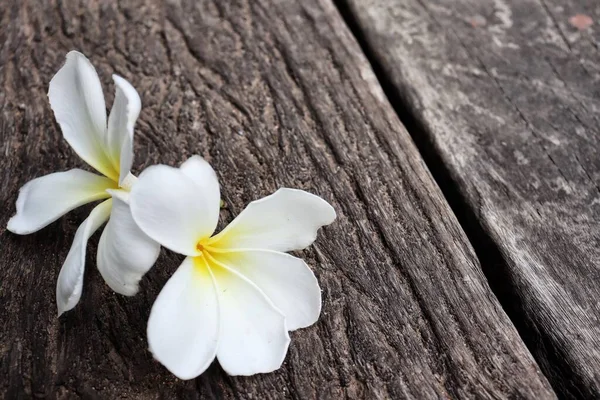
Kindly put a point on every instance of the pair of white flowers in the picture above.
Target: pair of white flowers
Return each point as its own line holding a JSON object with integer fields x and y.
{"x": 235, "y": 296}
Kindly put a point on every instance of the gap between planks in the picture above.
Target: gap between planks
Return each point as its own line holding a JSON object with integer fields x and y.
{"x": 487, "y": 251}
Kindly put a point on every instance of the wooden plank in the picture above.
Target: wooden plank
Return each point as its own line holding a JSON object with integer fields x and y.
{"x": 273, "y": 94}
{"x": 503, "y": 95}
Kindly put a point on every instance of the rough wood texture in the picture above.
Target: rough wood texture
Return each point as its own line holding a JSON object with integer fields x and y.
{"x": 273, "y": 94}
{"x": 504, "y": 94}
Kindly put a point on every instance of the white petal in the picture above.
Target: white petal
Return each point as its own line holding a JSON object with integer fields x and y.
{"x": 125, "y": 253}
{"x": 70, "y": 278}
{"x": 254, "y": 337}
{"x": 171, "y": 208}
{"x": 205, "y": 177}
{"x": 43, "y": 200}
{"x": 124, "y": 113}
{"x": 183, "y": 328}
{"x": 286, "y": 220}
{"x": 285, "y": 280}
{"x": 78, "y": 103}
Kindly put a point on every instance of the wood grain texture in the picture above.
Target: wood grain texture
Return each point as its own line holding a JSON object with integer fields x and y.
{"x": 505, "y": 95}
{"x": 273, "y": 94}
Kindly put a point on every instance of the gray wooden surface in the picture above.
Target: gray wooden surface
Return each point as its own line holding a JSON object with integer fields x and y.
{"x": 272, "y": 93}
{"x": 503, "y": 98}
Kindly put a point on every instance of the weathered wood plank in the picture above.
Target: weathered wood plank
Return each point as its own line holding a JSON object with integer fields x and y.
{"x": 505, "y": 93}
{"x": 273, "y": 94}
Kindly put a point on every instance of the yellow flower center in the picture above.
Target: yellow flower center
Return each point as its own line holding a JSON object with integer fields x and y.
{"x": 203, "y": 246}
{"x": 206, "y": 260}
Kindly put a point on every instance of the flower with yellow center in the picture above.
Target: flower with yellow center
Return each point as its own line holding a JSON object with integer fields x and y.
{"x": 125, "y": 253}
{"x": 237, "y": 294}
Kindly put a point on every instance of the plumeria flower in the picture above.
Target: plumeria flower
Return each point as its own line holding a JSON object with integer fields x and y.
{"x": 237, "y": 294}
{"x": 125, "y": 253}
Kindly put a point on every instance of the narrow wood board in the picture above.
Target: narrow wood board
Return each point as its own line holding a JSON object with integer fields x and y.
{"x": 272, "y": 94}
{"x": 504, "y": 95}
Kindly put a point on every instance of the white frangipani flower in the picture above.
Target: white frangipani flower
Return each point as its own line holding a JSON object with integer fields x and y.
{"x": 237, "y": 294}
{"x": 125, "y": 253}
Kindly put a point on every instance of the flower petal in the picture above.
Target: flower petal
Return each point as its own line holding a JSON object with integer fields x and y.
{"x": 122, "y": 118}
{"x": 43, "y": 200}
{"x": 171, "y": 208}
{"x": 78, "y": 103}
{"x": 285, "y": 280}
{"x": 286, "y": 220}
{"x": 254, "y": 337}
{"x": 70, "y": 278}
{"x": 183, "y": 329}
{"x": 205, "y": 177}
{"x": 125, "y": 253}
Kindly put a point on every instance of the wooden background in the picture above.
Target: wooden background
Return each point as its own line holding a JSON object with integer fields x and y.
{"x": 487, "y": 288}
